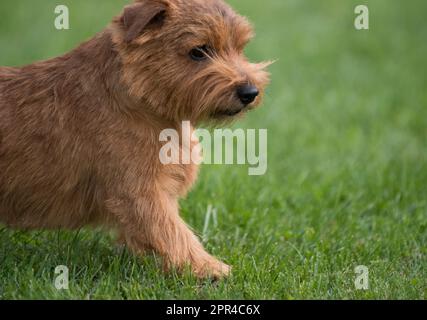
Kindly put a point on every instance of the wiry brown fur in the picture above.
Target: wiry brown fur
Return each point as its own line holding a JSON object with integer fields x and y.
{"x": 79, "y": 134}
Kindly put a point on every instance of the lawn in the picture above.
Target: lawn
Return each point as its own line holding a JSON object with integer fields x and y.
{"x": 346, "y": 184}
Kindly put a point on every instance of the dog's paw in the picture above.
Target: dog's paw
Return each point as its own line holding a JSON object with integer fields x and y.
{"x": 211, "y": 268}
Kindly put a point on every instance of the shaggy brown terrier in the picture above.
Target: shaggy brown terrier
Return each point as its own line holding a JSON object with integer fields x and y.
{"x": 79, "y": 134}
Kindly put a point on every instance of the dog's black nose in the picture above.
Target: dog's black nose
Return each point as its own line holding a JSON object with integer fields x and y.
{"x": 247, "y": 93}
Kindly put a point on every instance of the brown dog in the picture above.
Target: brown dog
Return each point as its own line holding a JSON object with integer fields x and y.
{"x": 79, "y": 134}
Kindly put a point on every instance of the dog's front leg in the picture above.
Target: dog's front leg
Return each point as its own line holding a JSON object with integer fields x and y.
{"x": 156, "y": 224}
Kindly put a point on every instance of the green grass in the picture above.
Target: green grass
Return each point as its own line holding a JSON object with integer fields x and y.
{"x": 347, "y": 176}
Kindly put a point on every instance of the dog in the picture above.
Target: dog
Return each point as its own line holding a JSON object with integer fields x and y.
{"x": 79, "y": 134}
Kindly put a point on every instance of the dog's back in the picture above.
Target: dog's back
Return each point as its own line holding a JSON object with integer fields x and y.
{"x": 58, "y": 118}
{"x": 44, "y": 171}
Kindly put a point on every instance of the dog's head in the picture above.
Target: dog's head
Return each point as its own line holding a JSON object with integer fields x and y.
{"x": 185, "y": 59}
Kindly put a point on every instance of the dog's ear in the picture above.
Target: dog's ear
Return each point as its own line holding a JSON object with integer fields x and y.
{"x": 141, "y": 16}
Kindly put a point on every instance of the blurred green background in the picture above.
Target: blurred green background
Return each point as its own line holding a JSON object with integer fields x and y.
{"x": 346, "y": 185}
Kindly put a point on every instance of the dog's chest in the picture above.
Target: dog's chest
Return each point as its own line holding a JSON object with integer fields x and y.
{"x": 180, "y": 173}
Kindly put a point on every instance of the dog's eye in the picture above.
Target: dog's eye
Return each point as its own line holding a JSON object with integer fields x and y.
{"x": 199, "y": 53}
